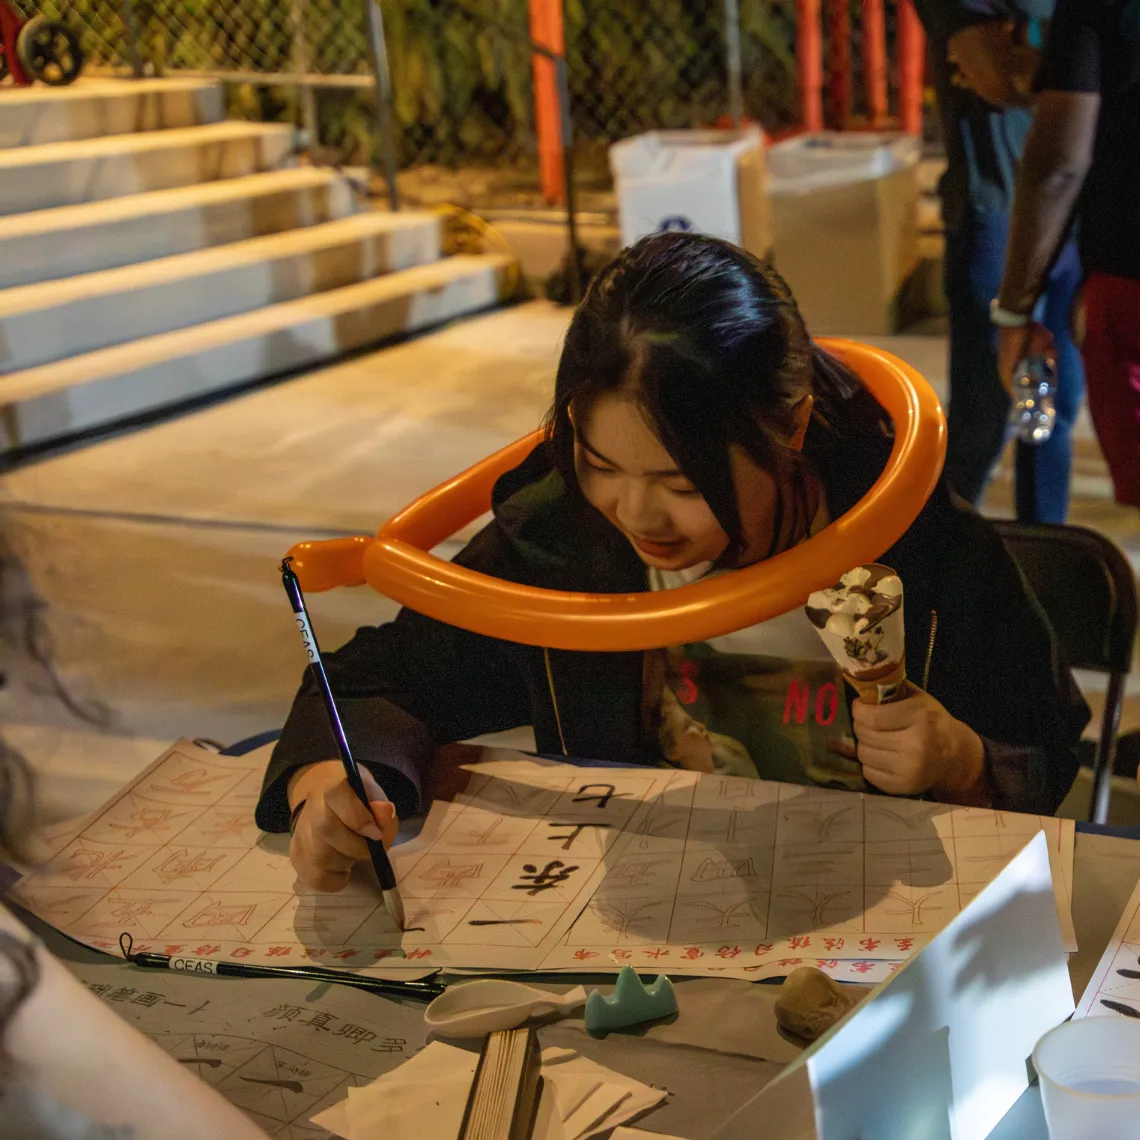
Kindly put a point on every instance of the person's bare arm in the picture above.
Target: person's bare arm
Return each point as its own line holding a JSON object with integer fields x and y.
{"x": 1058, "y": 155}
{"x": 70, "y": 1047}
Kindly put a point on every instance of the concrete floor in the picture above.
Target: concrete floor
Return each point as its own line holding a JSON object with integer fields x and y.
{"x": 156, "y": 551}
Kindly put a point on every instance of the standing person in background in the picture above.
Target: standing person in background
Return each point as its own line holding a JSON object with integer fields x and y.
{"x": 1086, "y": 137}
{"x": 983, "y": 70}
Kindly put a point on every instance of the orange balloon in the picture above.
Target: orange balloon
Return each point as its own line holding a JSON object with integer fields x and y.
{"x": 330, "y": 562}
{"x": 397, "y": 562}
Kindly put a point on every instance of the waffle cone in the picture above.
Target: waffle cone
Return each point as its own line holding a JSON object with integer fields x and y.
{"x": 882, "y": 689}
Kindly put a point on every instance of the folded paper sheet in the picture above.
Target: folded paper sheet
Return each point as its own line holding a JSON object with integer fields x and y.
{"x": 541, "y": 866}
{"x": 427, "y": 1095}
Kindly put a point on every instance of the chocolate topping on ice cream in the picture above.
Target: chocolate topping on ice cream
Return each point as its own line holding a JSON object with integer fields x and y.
{"x": 860, "y": 621}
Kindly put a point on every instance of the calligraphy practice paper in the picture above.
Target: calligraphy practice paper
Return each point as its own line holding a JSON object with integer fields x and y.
{"x": 1114, "y": 988}
{"x": 716, "y": 874}
{"x": 280, "y": 1050}
{"x": 540, "y": 865}
{"x": 176, "y": 861}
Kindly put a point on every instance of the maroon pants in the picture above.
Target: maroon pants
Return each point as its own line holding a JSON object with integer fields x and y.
{"x": 1112, "y": 374}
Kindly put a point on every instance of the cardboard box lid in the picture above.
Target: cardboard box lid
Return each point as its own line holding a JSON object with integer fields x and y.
{"x": 669, "y": 154}
{"x": 832, "y": 158}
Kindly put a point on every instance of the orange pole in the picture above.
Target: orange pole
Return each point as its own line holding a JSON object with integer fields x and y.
{"x": 912, "y": 67}
{"x": 546, "y": 29}
{"x": 839, "y": 63}
{"x": 809, "y": 61}
{"x": 875, "y": 61}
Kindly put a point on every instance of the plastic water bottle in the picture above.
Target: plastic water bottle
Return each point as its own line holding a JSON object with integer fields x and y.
{"x": 1033, "y": 414}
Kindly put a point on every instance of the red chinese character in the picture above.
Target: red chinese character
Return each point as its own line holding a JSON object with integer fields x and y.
{"x": 692, "y": 953}
{"x": 897, "y": 966}
{"x": 420, "y": 952}
{"x": 241, "y": 952}
{"x": 378, "y": 954}
{"x": 584, "y": 955}
{"x": 279, "y": 951}
{"x": 800, "y": 942}
{"x": 313, "y": 952}
{"x": 870, "y": 944}
{"x": 346, "y": 954}
{"x": 790, "y": 962}
{"x": 621, "y": 955}
{"x": 172, "y": 950}
{"x": 827, "y": 963}
{"x": 202, "y": 950}
{"x": 763, "y": 948}
{"x": 904, "y": 943}
{"x": 728, "y": 952}
{"x": 862, "y": 967}
{"x": 141, "y": 947}
{"x": 833, "y": 943}
{"x": 657, "y": 953}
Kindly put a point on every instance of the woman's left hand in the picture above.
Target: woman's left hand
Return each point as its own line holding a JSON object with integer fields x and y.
{"x": 914, "y": 745}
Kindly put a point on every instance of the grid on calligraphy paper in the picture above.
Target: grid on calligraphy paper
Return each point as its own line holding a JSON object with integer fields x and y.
{"x": 730, "y": 875}
{"x": 539, "y": 865}
{"x": 274, "y": 1085}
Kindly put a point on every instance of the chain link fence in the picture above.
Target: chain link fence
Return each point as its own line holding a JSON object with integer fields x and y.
{"x": 462, "y": 74}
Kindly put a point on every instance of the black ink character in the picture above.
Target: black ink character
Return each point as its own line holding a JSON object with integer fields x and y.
{"x": 551, "y": 875}
{"x": 1120, "y": 1007}
{"x": 578, "y": 828}
{"x": 603, "y": 800}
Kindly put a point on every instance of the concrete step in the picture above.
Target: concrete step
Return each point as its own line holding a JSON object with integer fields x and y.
{"x": 56, "y": 319}
{"x": 46, "y": 245}
{"x": 92, "y": 108}
{"x": 66, "y": 174}
{"x": 85, "y": 392}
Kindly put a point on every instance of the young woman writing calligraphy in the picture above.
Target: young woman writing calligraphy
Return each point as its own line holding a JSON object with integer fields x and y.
{"x": 695, "y": 430}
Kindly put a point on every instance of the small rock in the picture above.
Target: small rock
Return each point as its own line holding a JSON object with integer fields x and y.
{"x": 810, "y": 1003}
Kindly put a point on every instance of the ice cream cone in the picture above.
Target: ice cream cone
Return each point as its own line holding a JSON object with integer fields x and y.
{"x": 860, "y": 620}
{"x": 879, "y": 690}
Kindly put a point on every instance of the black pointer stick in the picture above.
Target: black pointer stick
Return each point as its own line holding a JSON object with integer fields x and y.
{"x": 380, "y": 861}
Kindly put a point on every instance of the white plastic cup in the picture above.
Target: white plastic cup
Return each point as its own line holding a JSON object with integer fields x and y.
{"x": 1090, "y": 1079}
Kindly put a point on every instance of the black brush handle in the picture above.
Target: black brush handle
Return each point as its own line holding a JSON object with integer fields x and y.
{"x": 380, "y": 861}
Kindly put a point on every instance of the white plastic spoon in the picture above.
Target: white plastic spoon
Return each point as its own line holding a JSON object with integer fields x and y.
{"x": 474, "y": 1009}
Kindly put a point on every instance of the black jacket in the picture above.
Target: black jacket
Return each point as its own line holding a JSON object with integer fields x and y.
{"x": 406, "y": 687}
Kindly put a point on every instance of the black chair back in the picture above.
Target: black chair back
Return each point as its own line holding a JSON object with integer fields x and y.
{"x": 1087, "y": 589}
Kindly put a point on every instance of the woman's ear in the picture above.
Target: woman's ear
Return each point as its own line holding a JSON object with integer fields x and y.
{"x": 801, "y": 417}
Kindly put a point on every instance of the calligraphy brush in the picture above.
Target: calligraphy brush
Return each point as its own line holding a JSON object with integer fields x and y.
{"x": 380, "y": 861}
{"x": 421, "y": 989}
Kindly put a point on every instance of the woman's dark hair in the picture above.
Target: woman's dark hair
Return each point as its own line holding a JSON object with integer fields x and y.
{"x": 711, "y": 343}
{"x": 19, "y": 970}
{"x": 22, "y": 625}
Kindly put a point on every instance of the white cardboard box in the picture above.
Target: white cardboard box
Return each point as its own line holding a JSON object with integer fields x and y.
{"x": 712, "y": 182}
{"x": 845, "y": 227}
